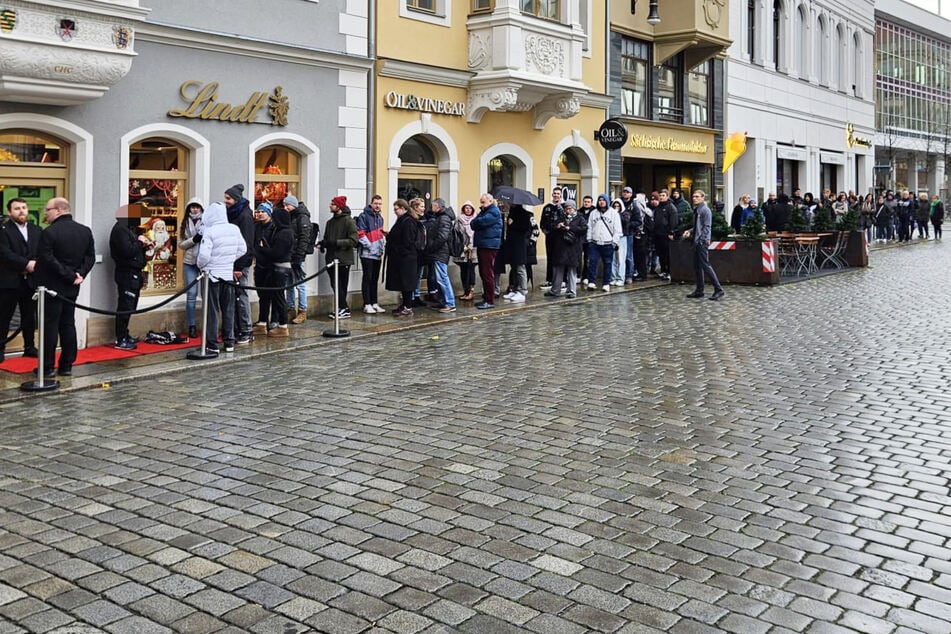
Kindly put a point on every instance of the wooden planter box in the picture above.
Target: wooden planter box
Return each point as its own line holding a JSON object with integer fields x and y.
{"x": 855, "y": 252}
{"x": 741, "y": 265}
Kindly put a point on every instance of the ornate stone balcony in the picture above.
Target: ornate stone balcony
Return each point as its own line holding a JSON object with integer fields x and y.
{"x": 65, "y": 52}
{"x": 700, "y": 29}
{"x": 524, "y": 63}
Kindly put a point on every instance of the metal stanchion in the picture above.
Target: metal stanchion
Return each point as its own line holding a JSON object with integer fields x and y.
{"x": 40, "y": 384}
{"x": 203, "y": 353}
{"x": 336, "y": 332}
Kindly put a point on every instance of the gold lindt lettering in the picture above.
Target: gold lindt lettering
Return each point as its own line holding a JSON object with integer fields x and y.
{"x": 203, "y": 104}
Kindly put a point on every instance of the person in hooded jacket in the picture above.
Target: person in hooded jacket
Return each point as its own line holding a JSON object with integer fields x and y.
{"x": 604, "y": 234}
{"x": 273, "y": 248}
{"x": 372, "y": 240}
{"x": 189, "y": 239}
{"x": 937, "y": 215}
{"x": 128, "y": 253}
{"x": 222, "y": 245}
{"x": 239, "y": 214}
{"x": 467, "y": 261}
{"x": 302, "y": 230}
{"x": 340, "y": 239}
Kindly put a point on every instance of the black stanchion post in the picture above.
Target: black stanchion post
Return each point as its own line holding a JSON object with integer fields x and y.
{"x": 40, "y": 384}
{"x": 336, "y": 332}
{"x": 203, "y": 352}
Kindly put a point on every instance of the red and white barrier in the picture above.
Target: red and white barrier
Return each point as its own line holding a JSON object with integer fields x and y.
{"x": 722, "y": 246}
{"x": 769, "y": 257}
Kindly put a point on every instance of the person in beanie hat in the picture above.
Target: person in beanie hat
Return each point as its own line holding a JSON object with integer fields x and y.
{"x": 267, "y": 208}
{"x": 239, "y": 214}
{"x": 340, "y": 239}
{"x": 301, "y": 229}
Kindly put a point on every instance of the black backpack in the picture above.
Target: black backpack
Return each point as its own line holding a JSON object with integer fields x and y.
{"x": 458, "y": 240}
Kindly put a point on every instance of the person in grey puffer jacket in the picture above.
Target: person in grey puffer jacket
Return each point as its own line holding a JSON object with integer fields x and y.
{"x": 188, "y": 247}
{"x": 221, "y": 246}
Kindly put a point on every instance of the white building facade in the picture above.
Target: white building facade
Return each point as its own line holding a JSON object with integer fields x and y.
{"x": 800, "y": 83}
{"x": 912, "y": 98}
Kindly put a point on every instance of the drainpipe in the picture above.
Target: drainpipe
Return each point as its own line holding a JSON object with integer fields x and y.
{"x": 371, "y": 99}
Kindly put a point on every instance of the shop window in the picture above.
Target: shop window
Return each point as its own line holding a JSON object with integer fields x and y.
{"x": 501, "y": 172}
{"x": 698, "y": 88}
{"x": 33, "y": 166}
{"x": 670, "y": 99}
{"x": 158, "y": 185}
{"x": 635, "y": 60}
{"x": 569, "y": 175}
{"x": 548, "y": 9}
{"x": 419, "y": 171}
{"x": 276, "y": 174}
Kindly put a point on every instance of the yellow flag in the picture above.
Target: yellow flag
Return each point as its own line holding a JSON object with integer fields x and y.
{"x": 734, "y": 147}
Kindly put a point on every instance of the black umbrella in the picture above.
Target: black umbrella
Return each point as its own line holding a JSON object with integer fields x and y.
{"x": 516, "y": 196}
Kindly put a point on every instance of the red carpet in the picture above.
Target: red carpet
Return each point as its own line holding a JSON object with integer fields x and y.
{"x": 22, "y": 365}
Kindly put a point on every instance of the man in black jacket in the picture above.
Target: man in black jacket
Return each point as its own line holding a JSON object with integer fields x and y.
{"x": 19, "y": 241}
{"x": 666, "y": 221}
{"x": 239, "y": 214}
{"x": 65, "y": 257}
{"x": 301, "y": 229}
{"x": 437, "y": 255}
{"x": 551, "y": 216}
{"x": 128, "y": 251}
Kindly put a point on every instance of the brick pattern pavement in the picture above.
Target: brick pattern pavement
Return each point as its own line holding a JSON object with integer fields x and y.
{"x": 775, "y": 462}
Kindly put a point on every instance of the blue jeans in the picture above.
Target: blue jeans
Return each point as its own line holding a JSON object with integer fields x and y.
{"x": 629, "y": 271}
{"x": 598, "y": 253}
{"x": 242, "y": 301}
{"x": 191, "y": 298}
{"x": 297, "y": 296}
{"x": 445, "y": 285}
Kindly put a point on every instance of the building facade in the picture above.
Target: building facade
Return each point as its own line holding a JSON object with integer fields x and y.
{"x": 666, "y": 80}
{"x": 912, "y": 98}
{"x": 799, "y": 83}
{"x": 114, "y": 104}
{"x": 473, "y": 94}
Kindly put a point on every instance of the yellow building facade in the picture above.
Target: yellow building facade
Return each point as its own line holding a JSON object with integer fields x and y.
{"x": 473, "y": 94}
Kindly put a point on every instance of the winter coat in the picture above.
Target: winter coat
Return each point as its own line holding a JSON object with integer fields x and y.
{"x": 186, "y": 236}
{"x": 562, "y": 253}
{"x": 66, "y": 248}
{"x": 273, "y": 241}
{"x": 437, "y": 238}
{"x": 923, "y": 213}
{"x": 370, "y": 234}
{"x": 518, "y": 228}
{"x": 404, "y": 246}
{"x": 16, "y": 253}
{"x": 126, "y": 250}
{"x": 240, "y": 215}
{"x": 469, "y": 255}
{"x": 340, "y": 237}
{"x": 487, "y": 228}
{"x": 937, "y": 212}
{"x": 300, "y": 231}
{"x": 666, "y": 219}
{"x": 883, "y": 216}
{"x": 604, "y": 226}
{"x": 221, "y": 246}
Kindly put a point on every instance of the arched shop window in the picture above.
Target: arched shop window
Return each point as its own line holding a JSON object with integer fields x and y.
{"x": 158, "y": 184}
{"x": 33, "y": 166}
{"x": 419, "y": 170}
{"x": 569, "y": 176}
{"x": 501, "y": 172}
{"x": 276, "y": 174}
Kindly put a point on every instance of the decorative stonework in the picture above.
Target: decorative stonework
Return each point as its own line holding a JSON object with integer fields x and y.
{"x": 63, "y": 55}
{"x": 479, "y": 46}
{"x": 557, "y": 106}
{"x": 713, "y": 12}
{"x": 546, "y": 54}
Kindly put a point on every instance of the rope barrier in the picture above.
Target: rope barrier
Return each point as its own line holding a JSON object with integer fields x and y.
{"x": 293, "y": 284}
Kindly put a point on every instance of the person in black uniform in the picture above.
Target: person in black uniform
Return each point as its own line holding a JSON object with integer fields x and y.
{"x": 19, "y": 241}
{"x": 128, "y": 251}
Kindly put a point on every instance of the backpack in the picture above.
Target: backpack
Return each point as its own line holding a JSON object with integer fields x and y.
{"x": 458, "y": 240}
{"x": 314, "y": 232}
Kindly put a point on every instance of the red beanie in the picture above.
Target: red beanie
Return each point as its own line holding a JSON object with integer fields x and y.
{"x": 339, "y": 201}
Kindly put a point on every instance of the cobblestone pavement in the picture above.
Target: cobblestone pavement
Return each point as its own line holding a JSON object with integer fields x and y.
{"x": 775, "y": 462}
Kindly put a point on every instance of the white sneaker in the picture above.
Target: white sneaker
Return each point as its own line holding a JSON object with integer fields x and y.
{"x": 509, "y": 296}
{"x": 517, "y": 297}
{"x": 368, "y": 309}
{"x": 606, "y": 288}
{"x": 584, "y": 282}
{"x": 378, "y": 308}
{"x": 617, "y": 283}
{"x": 591, "y": 286}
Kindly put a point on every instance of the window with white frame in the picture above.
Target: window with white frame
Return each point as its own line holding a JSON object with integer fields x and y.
{"x": 432, "y": 11}
{"x": 821, "y": 57}
{"x": 800, "y": 35}
{"x": 548, "y": 9}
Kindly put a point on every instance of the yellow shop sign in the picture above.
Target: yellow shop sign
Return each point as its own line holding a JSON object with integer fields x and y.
{"x": 666, "y": 144}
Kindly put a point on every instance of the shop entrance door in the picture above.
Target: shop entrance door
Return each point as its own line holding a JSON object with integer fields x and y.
{"x": 416, "y": 187}
{"x": 36, "y": 192}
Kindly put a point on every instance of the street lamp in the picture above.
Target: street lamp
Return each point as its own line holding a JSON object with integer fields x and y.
{"x": 653, "y": 14}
